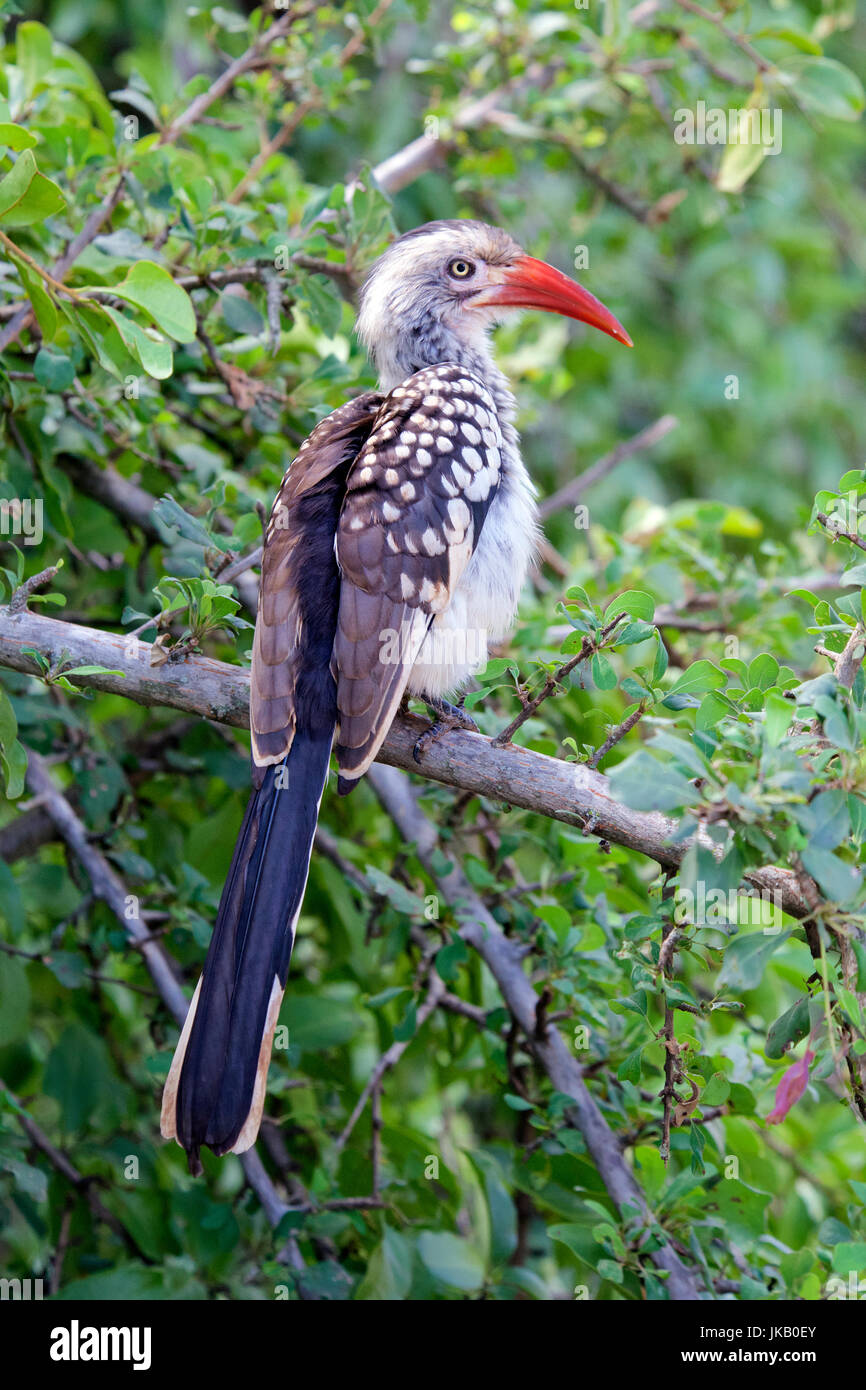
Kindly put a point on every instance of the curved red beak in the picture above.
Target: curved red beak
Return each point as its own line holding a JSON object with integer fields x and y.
{"x": 531, "y": 284}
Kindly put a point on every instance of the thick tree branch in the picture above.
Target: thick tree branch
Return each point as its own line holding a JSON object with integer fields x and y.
{"x": 563, "y": 791}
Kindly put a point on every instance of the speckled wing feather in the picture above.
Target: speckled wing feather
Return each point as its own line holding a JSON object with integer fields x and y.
{"x": 300, "y": 582}
{"x": 415, "y": 503}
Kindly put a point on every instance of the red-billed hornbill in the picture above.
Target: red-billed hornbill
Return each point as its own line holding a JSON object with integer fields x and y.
{"x": 407, "y": 511}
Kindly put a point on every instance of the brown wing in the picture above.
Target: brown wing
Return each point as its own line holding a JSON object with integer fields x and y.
{"x": 299, "y": 589}
{"x": 415, "y": 503}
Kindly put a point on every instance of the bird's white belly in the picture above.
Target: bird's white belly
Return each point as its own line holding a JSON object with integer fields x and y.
{"x": 485, "y": 601}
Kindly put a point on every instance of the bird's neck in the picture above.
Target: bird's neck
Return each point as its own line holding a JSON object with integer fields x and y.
{"x": 429, "y": 345}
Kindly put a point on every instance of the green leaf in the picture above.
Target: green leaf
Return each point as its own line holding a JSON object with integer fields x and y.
{"x": 451, "y": 1259}
{"x": 791, "y": 36}
{"x": 15, "y": 137}
{"x": 68, "y": 967}
{"x": 826, "y": 819}
{"x": 660, "y": 664}
{"x": 400, "y": 898}
{"x": 11, "y": 902}
{"x": 43, "y": 305}
{"x": 849, "y": 1257}
{"x": 77, "y": 1075}
{"x": 700, "y": 676}
{"x": 837, "y": 880}
{"x": 717, "y": 1090}
{"x": 503, "y": 1215}
{"x": 558, "y": 918}
{"x": 323, "y": 303}
{"x": 746, "y": 959}
{"x": 317, "y": 1023}
{"x": 90, "y": 671}
{"x": 14, "y": 1000}
{"x": 53, "y": 369}
{"x": 152, "y": 289}
{"x": 26, "y": 196}
{"x": 633, "y": 633}
{"x": 826, "y": 87}
{"x": 778, "y": 713}
{"x": 136, "y": 1282}
{"x": 603, "y": 673}
{"x": 26, "y": 1178}
{"x": 788, "y": 1029}
{"x": 860, "y": 956}
{"x": 12, "y": 756}
{"x": 156, "y": 358}
{"x": 517, "y": 1102}
{"x": 630, "y": 1068}
{"x": 100, "y": 332}
{"x": 449, "y": 960}
{"x": 388, "y": 1277}
{"x": 741, "y": 158}
{"x": 240, "y": 315}
{"x": 33, "y": 54}
{"x": 645, "y": 784}
{"x": 408, "y": 1025}
{"x": 763, "y": 671}
{"x": 634, "y": 602}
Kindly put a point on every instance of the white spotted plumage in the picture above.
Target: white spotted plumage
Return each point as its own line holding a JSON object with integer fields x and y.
{"x": 485, "y": 525}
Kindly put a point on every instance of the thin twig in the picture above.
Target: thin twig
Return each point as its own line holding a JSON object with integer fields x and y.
{"x": 617, "y": 733}
{"x": 63, "y": 1165}
{"x": 309, "y": 104}
{"x": 88, "y": 233}
{"x": 226, "y": 80}
{"x": 730, "y": 34}
{"x": 836, "y": 532}
{"x": 588, "y": 647}
{"x": 18, "y": 601}
{"x": 573, "y": 490}
{"x": 389, "y": 1059}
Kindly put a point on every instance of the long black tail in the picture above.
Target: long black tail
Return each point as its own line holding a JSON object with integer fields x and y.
{"x": 215, "y": 1090}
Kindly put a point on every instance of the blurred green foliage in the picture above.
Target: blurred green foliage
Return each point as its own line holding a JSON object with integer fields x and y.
{"x": 186, "y": 351}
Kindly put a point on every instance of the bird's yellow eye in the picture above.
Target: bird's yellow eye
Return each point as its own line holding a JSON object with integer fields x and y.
{"x": 460, "y": 269}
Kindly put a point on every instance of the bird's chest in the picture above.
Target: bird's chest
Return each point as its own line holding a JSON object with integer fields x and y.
{"x": 490, "y": 587}
{"x": 485, "y": 600}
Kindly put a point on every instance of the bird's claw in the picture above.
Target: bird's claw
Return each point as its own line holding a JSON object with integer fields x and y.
{"x": 448, "y": 717}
